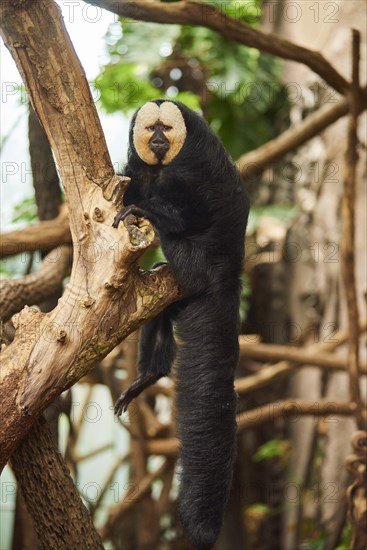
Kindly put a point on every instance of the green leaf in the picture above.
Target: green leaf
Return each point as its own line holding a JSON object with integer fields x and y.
{"x": 271, "y": 449}
{"x": 258, "y": 508}
{"x": 25, "y": 211}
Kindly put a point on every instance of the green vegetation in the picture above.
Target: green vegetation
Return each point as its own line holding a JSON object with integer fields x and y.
{"x": 25, "y": 211}
{"x": 237, "y": 88}
{"x": 271, "y": 449}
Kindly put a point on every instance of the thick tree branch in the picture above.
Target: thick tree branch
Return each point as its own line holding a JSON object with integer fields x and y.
{"x": 107, "y": 296}
{"x": 206, "y": 15}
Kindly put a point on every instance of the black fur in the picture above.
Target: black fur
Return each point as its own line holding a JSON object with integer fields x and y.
{"x": 198, "y": 205}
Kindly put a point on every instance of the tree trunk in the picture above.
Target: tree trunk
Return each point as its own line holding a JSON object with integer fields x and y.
{"x": 50, "y": 494}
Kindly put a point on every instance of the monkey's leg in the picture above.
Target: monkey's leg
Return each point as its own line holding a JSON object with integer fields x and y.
{"x": 157, "y": 351}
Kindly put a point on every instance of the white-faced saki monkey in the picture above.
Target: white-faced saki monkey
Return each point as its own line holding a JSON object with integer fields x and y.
{"x": 186, "y": 184}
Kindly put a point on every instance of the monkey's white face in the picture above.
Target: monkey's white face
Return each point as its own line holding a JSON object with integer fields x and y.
{"x": 159, "y": 132}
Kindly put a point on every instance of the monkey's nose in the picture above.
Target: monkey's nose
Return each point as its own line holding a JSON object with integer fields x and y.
{"x": 159, "y": 146}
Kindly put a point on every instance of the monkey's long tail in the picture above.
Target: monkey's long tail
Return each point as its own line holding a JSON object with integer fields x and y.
{"x": 208, "y": 330}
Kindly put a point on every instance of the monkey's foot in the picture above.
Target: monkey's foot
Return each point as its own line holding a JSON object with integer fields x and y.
{"x": 135, "y": 389}
{"x": 123, "y": 402}
{"x": 126, "y": 211}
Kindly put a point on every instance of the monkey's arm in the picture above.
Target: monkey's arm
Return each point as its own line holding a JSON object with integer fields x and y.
{"x": 157, "y": 351}
{"x": 163, "y": 215}
{"x": 132, "y": 194}
{"x": 173, "y": 209}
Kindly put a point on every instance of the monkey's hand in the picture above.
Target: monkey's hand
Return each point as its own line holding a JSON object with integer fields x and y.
{"x": 126, "y": 211}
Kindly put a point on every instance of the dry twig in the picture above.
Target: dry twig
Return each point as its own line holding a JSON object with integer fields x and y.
{"x": 348, "y": 239}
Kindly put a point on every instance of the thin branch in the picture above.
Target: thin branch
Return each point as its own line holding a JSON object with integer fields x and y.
{"x": 292, "y": 408}
{"x": 348, "y": 238}
{"x": 299, "y": 356}
{"x": 44, "y": 235}
{"x": 165, "y": 447}
{"x": 267, "y": 375}
{"x": 164, "y": 497}
{"x": 139, "y": 491}
{"x": 246, "y": 420}
{"x": 253, "y": 163}
{"x": 146, "y": 528}
{"x": 152, "y": 426}
{"x": 94, "y": 452}
{"x": 107, "y": 483}
{"x": 35, "y": 287}
{"x": 206, "y": 15}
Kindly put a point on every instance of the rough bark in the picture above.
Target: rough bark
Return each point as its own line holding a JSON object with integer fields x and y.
{"x": 24, "y": 535}
{"x": 52, "y": 497}
{"x": 43, "y": 289}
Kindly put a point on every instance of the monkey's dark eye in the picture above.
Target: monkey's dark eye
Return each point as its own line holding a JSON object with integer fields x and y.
{"x": 167, "y": 128}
